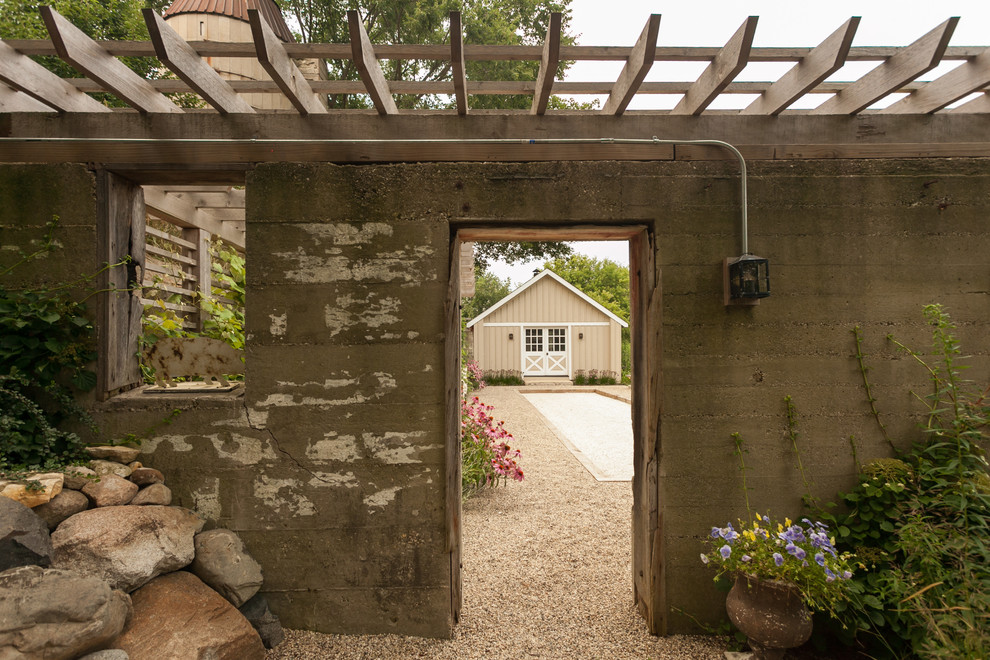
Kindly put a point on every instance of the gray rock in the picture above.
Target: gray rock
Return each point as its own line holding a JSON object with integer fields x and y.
{"x": 110, "y": 467}
{"x": 107, "y": 654}
{"x": 127, "y": 545}
{"x": 267, "y": 624}
{"x": 154, "y": 494}
{"x": 110, "y": 490}
{"x": 222, "y": 563}
{"x": 65, "y": 504}
{"x": 57, "y": 614}
{"x": 78, "y": 476}
{"x": 24, "y": 538}
{"x": 145, "y": 476}
{"x": 117, "y": 454}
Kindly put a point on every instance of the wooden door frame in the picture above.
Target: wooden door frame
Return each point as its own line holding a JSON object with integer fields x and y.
{"x": 645, "y": 310}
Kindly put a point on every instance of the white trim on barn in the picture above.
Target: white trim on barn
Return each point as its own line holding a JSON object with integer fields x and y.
{"x": 536, "y": 278}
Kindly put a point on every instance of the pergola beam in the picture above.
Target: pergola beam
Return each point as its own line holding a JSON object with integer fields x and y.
{"x": 27, "y": 76}
{"x": 965, "y": 79}
{"x": 178, "y": 211}
{"x": 367, "y": 65}
{"x": 723, "y": 69}
{"x": 634, "y": 72}
{"x": 807, "y": 74}
{"x": 980, "y": 104}
{"x": 76, "y": 48}
{"x": 281, "y": 68}
{"x": 921, "y": 56}
{"x": 457, "y": 62}
{"x": 186, "y": 63}
{"x": 12, "y": 100}
{"x": 548, "y": 66}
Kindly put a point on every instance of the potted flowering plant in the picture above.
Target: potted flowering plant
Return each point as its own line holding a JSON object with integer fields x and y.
{"x": 781, "y": 571}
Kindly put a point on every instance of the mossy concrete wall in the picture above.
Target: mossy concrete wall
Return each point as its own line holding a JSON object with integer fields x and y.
{"x": 331, "y": 466}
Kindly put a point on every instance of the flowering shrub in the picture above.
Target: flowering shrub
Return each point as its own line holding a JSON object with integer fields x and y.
{"x": 486, "y": 457}
{"x": 804, "y": 555}
{"x": 474, "y": 377}
{"x": 595, "y": 377}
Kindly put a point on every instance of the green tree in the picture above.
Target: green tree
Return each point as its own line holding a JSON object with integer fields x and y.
{"x": 488, "y": 290}
{"x": 522, "y": 22}
{"x": 518, "y": 252}
{"x": 607, "y": 283}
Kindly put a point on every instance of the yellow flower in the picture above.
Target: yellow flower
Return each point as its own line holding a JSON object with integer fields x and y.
{"x": 780, "y": 527}
{"x": 787, "y": 522}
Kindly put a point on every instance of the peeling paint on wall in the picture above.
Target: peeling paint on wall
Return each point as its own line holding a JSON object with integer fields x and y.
{"x": 385, "y": 384}
{"x": 178, "y": 443}
{"x": 324, "y": 479}
{"x": 395, "y": 447}
{"x": 269, "y": 491}
{"x": 373, "y": 313}
{"x": 347, "y": 234}
{"x": 334, "y": 448}
{"x": 381, "y": 499}
{"x": 242, "y": 449}
{"x": 279, "y": 324}
{"x": 206, "y": 500}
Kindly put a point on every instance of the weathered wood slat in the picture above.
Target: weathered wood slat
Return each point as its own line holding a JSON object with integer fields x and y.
{"x": 271, "y": 53}
{"x": 368, "y": 67}
{"x": 489, "y": 51}
{"x": 965, "y": 79}
{"x": 175, "y": 307}
{"x": 980, "y": 104}
{"x": 637, "y": 66}
{"x": 820, "y": 63}
{"x": 453, "y": 512}
{"x": 76, "y": 48}
{"x": 157, "y": 233}
{"x": 181, "y": 258}
{"x": 921, "y": 56}
{"x": 12, "y": 100}
{"x": 27, "y": 76}
{"x": 457, "y": 63}
{"x": 548, "y": 66}
{"x": 186, "y": 63}
{"x": 154, "y": 266}
{"x": 723, "y": 69}
{"x": 178, "y": 211}
{"x": 168, "y": 288}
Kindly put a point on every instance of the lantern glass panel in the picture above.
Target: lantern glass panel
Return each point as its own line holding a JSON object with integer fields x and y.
{"x": 749, "y": 277}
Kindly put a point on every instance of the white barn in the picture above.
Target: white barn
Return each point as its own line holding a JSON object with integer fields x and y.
{"x": 548, "y": 327}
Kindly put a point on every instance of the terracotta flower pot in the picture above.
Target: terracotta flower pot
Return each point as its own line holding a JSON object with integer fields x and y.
{"x": 770, "y": 613}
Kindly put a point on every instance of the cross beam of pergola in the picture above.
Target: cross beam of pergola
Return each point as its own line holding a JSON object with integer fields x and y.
{"x": 28, "y": 87}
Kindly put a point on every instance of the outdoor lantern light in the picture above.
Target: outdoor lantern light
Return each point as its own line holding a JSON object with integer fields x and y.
{"x": 747, "y": 279}
{"x": 580, "y": 335}
{"x": 510, "y": 336}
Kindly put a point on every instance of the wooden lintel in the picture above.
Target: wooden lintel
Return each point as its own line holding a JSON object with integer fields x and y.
{"x": 965, "y": 79}
{"x": 457, "y": 62}
{"x": 980, "y": 104}
{"x": 25, "y": 75}
{"x": 574, "y": 233}
{"x": 819, "y": 64}
{"x": 281, "y": 68}
{"x": 369, "y": 68}
{"x": 914, "y": 60}
{"x": 76, "y": 48}
{"x": 186, "y": 63}
{"x": 634, "y": 72}
{"x": 548, "y": 66}
{"x": 723, "y": 69}
{"x": 178, "y": 211}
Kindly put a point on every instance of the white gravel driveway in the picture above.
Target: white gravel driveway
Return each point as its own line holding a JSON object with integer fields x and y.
{"x": 546, "y": 569}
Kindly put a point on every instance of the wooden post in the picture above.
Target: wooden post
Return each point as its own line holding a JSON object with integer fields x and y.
{"x": 452, "y": 403}
{"x": 203, "y": 270}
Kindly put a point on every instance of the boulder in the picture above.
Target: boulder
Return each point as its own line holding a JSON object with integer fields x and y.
{"x": 135, "y": 465}
{"x": 117, "y": 454}
{"x": 65, "y": 504}
{"x": 46, "y": 486}
{"x": 24, "y": 538}
{"x": 57, "y": 614}
{"x": 110, "y": 490}
{"x": 110, "y": 467}
{"x": 177, "y": 616}
{"x": 77, "y": 476}
{"x": 145, "y": 476}
{"x": 126, "y": 545}
{"x": 154, "y": 494}
{"x": 267, "y": 624}
{"x": 222, "y": 563}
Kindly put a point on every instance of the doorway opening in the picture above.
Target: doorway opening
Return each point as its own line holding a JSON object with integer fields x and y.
{"x": 543, "y": 348}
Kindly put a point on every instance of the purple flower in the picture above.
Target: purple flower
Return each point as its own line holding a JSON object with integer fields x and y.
{"x": 829, "y": 576}
{"x": 715, "y": 532}
{"x": 791, "y": 549}
{"x": 725, "y": 551}
{"x": 820, "y": 559}
{"x": 704, "y": 558}
{"x": 746, "y": 558}
{"x": 778, "y": 558}
{"x": 800, "y": 554}
{"x": 846, "y": 575}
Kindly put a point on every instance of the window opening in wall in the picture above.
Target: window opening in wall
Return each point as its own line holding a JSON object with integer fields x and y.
{"x": 192, "y": 330}
{"x": 550, "y": 354}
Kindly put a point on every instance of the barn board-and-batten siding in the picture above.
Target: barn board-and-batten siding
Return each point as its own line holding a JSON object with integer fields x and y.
{"x": 548, "y": 301}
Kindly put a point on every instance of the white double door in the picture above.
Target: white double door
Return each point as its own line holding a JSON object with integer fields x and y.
{"x": 545, "y": 352}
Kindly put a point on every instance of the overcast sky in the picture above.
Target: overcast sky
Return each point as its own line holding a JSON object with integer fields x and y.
{"x": 782, "y": 23}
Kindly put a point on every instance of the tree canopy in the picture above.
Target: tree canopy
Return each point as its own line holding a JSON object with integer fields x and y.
{"x": 516, "y": 252}
{"x": 488, "y": 290}
{"x": 603, "y": 280}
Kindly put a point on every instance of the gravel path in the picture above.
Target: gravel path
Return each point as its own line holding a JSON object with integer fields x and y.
{"x": 546, "y": 569}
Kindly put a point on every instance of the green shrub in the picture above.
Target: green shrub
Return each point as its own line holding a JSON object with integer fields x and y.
{"x": 503, "y": 377}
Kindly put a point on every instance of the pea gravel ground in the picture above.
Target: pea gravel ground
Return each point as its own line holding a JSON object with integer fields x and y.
{"x": 547, "y": 570}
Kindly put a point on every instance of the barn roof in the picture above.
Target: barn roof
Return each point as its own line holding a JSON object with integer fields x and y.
{"x": 536, "y": 278}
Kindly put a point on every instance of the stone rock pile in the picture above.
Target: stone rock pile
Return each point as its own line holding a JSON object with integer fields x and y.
{"x": 96, "y": 564}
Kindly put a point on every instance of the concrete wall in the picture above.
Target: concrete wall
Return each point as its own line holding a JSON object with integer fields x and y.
{"x": 331, "y": 465}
